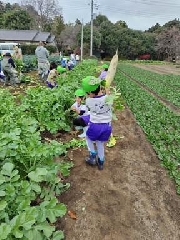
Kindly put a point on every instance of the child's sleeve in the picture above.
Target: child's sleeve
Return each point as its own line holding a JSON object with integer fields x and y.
{"x": 83, "y": 110}
{"x": 74, "y": 105}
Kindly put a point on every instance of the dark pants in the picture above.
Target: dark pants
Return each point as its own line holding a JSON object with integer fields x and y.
{"x": 79, "y": 122}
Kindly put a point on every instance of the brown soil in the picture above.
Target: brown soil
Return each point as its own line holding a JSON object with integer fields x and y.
{"x": 133, "y": 198}
{"x": 21, "y": 88}
{"x": 161, "y": 69}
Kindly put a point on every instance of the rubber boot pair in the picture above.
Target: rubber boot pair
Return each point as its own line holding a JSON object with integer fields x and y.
{"x": 93, "y": 161}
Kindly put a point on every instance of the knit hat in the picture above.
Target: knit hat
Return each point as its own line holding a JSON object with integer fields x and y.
{"x": 80, "y": 92}
{"x": 90, "y": 83}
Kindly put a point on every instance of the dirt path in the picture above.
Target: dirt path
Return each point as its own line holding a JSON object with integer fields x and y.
{"x": 131, "y": 199}
{"x": 161, "y": 69}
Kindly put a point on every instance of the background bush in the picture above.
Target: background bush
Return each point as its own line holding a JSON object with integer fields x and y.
{"x": 30, "y": 49}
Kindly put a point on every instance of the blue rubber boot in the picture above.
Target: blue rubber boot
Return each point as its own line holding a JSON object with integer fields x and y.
{"x": 91, "y": 160}
{"x": 100, "y": 164}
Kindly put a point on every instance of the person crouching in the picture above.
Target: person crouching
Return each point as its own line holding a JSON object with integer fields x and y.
{"x": 8, "y": 68}
{"x": 82, "y": 119}
{"x": 51, "y": 80}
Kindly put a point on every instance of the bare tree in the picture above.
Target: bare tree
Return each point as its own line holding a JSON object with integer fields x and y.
{"x": 68, "y": 36}
{"x": 46, "y": 9}
{"x": 168, "y": 43}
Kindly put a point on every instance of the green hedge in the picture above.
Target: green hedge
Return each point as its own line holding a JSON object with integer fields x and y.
{"x": 30, "y": 49}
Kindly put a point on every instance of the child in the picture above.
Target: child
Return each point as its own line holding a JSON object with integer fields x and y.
{"x": 70, "y": 65}
{"x": 104, "y": 72}
{"x": 63, "y": 62}
{"x": 99, "y": 128}
{"x": 51, "y": 80}
{"x": 82, "y": 120}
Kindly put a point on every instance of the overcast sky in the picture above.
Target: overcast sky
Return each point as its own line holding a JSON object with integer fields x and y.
{"x": 138, "y": 14}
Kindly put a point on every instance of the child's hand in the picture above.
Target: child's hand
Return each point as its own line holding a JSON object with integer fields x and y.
{"x": 73, "y": 108}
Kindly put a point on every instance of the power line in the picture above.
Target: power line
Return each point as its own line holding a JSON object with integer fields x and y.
{"x": 154, "y": 2}
{"x": 139, "y": 12}
{"x": 145, "y": 9}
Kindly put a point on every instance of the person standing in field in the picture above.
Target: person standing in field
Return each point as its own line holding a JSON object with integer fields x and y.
{"x": 17, "y": 53}
{"x": 73, "y": 58}
{"x": 77, "y": 58}
{"x": 99, "y": 128}
{"x": 42, "y": 55}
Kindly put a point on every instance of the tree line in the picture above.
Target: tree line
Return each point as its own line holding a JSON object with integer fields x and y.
{"x": 161, "y": 42}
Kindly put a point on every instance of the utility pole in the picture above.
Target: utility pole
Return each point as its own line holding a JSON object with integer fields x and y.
{"x": 92, "y": 15}
{"x": 82, "y": 36}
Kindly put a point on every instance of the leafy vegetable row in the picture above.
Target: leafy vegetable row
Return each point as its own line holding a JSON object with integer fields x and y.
{"x": 30, "y": 178}
{"x": 30, "y": 62}
{"x": 165, "y": 86}
{"x": 148, "y": 62}
{"x": 160, "y": 125}
{"x": 50, "y": 107}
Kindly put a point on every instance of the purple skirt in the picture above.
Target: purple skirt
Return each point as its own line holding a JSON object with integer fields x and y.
{"x": 86, "y": 119}
{"x": 99, "y": 131}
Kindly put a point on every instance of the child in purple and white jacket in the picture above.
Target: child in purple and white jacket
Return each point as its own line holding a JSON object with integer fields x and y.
{"x": 104, "y": 71}
{"x": 99, "y": 127}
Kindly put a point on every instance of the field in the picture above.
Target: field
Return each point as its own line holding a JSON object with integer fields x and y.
{"x": 135, "y": 196}
{"x": 161, "y": 69}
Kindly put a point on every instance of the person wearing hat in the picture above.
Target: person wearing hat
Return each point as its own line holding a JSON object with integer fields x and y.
{"x": 42, "y": 55}
{"x": 70, "y": 65}
{"x": 99, "y": 127}
{"x": 81, "y": 110}
{"x": 9, "y": 58}
{"x": 104, "y": 71}
{"x": 8, "y": 68}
